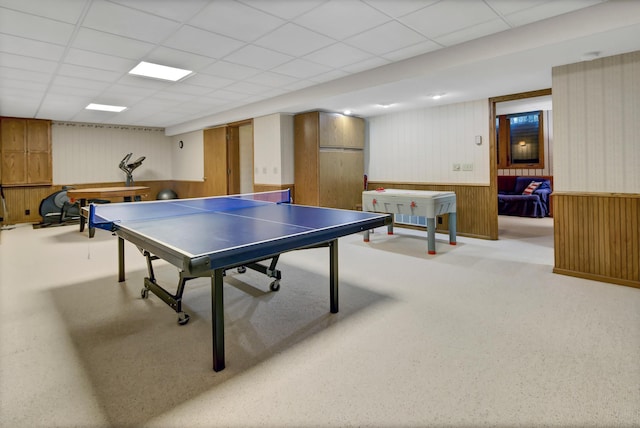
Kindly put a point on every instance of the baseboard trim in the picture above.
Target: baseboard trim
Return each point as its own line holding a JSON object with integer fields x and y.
{"x": 600, "y": 278}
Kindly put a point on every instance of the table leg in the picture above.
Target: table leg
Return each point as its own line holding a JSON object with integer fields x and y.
{"x": 431, "y": 235}
{"x": 452, "y": 228}
{"x": 333, "y": 275}
{"x": 217, "y": 319}
{"x": 120, "y": 259}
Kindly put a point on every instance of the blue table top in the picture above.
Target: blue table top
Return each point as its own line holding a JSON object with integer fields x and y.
{"x": 211, "y": 226}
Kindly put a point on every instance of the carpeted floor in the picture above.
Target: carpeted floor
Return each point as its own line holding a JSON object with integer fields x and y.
{"x": 481, "y": 334}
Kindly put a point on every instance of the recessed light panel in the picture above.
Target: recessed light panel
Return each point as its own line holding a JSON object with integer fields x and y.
{"x": 105, "y": 107}
{"x": 157, "y": 71}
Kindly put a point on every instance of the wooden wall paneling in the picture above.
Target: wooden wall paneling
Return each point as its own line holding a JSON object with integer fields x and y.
{"x": 475, "y": 216}
{"x": 597, "y": 236}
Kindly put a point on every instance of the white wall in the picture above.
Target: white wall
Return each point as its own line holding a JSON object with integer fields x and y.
{"x": 246, "y": 158}
{"x": 273, "y": 149}
{"x": 187, "y": 162}
{"x": 421, "y": 146}
{"x": 596, "y": 109}
{"x": 91, "y": 153}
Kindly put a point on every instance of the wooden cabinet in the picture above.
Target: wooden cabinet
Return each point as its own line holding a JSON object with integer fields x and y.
{"x": 328, "y": 159}
{"x": 25, "y": 151}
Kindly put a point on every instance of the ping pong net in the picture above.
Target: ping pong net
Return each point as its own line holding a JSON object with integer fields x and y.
{"x": 106, "y": 216}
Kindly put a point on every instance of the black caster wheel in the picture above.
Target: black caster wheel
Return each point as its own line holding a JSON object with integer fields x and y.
{"x": 183, "y": 318}
{"x": 242, "y": 269}
{"x": 144, "y": 293}
{"x": 275, "y": 285}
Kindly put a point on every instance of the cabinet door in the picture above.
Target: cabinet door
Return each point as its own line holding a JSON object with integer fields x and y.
{"x": 305, "y": 155}
{"x": 13, "y": 134}
{"x": 39, "y": 152}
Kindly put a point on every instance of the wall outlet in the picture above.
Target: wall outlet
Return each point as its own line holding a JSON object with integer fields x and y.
{"x": 456, "y": 167}
{"x": 467, "y": 167}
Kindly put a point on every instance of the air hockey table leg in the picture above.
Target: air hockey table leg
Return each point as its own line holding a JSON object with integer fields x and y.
{"x": 431, "y": 235}
{"x": 452, "y": 228}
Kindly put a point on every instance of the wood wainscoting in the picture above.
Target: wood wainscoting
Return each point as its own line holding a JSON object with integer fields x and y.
{"x": 597, "y": 236}
{"x": 23, "y": 202}
{"x": 476, "y": 209}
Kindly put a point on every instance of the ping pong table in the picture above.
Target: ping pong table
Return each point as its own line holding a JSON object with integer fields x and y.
{"x": 204, "y": 237}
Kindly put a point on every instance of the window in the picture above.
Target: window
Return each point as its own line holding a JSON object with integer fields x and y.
{"x": 520, "y": 140}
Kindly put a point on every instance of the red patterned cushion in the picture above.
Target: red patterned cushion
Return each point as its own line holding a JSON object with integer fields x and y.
{"x": 531, "y": 187}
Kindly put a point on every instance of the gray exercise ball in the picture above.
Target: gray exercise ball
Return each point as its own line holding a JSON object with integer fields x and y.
{"x": 165, "y": 194}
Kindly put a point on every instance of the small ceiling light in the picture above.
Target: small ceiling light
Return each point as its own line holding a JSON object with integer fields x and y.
{"x": 105, "y": 107}
{"x": 347, "y": 112}
{"x": 157, "y": 71}
{"x": 590, "y": 56}
{"x": 385, "y": 105}
{"x": 436, "y": 96}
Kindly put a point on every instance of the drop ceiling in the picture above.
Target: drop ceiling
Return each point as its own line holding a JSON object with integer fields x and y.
{"x": 256, "y": 57}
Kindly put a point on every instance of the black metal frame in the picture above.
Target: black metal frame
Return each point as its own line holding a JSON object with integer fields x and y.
{"x": 217, "y": 289}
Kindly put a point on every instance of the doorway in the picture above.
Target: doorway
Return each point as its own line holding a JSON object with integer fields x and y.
{"x": 505, "y": 166}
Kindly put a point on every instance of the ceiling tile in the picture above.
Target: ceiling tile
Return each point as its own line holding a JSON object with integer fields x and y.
{"x": 474, "y": 32}
{"x": 285, "y": 9}
{"x": 257, "y": 57}
{"x": 247, "y": 88}
{"x": 174, "y": 10}
{"x": 367, "y": 64}
{"x": 208, "y": 81}
{"x": 448, "y": 16}
{"x": 386, "y": 38}
{"x": 27, "y": 63}
{"x": 124, "y": 21}
{"x": 129, "y": 94}
{"x": 236, "y": 20}
{"x": 230, "y": 70}
{"x": 397, "y": 8}
{"x": 110, "y": 44}
{"x": 34, "y": 27}
{"x": 195, "y": 40}
{"x": 32, "y": 48}
{"x": 273, "y": 80}
{"x": 338, "y": 55}
{"x": 183, "y": 87}
{"x": 82, "y": 72}
{"x": 330, "y": 75}
{"x": 25, "y": 88}
{"x": 77, "y": 82}
{"x": 301, "y": 68}
{"x": 340, "y": 19}
{"x": 411, "y": 51}
{"x": 294, "y": 40}
{"x": 177, "y": 58}
{"x": 75, "y": 90}
{"x": 24, "y": 75}
{"x": 65, "y": 11}
{"x": 98, "y": 60}
{"x": 546, "y": 10}
{"x": 226, "y": 95}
